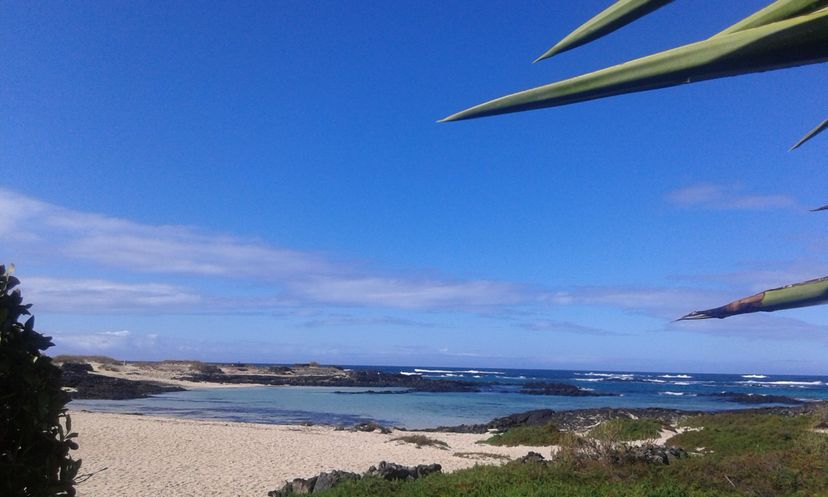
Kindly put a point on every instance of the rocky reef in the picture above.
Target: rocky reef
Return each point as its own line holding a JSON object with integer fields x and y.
{"x": 81, "y": 383}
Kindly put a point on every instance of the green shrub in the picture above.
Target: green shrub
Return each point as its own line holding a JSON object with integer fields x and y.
{"x": 736, "y": 433}
{"x": 537, "y": 436}
{"x": 34, "y": 442}
{"x": 86, "y": 358}
{"x": 627, "y": 429}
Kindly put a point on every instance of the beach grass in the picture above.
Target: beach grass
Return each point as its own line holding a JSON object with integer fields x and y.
{"x": 481, "y": 456}
{"x": 537, "y": 436}
{"x": 627, "y": 429}
{"x": 744, "y": 454}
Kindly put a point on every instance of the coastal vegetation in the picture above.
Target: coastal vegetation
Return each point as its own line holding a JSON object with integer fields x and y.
{"x": 732, "y": 454}
{"x": 627, "y": 429}
{"x": 35, "y": 430}
{"x": 535, "y": 436}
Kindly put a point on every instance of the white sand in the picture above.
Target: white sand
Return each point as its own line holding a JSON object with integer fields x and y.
{"x": 163, "y": 457}
{"x": 158, "y": 374}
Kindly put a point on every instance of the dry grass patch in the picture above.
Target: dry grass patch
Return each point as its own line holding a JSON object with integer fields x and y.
{"x": 482, "y": 456}
{"x": 422, "y": 441}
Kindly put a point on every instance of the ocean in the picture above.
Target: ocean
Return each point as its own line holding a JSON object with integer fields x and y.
{"x": 499, "y": 396}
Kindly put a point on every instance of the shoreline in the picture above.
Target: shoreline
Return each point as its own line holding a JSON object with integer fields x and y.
{"x": 137, "y": 455}
{"x": 175, "y": 457}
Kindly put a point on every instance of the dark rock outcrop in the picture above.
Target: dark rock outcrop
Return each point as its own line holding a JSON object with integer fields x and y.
{"x": 371, "y": 427}
{"x": 531, "y": 458}
{"x": 328, "y": 480}
{"x": 323, "y": 481}
{"x": 562, "y": 389}
{"x": 81, "y": 384}
{"x": 574, "y": 420}
{"x": 651, "y": 454}
{"x": 373, "y": 392}
{"x": 391, "y": 471}
{"x": 756, "y": 398}
{"x": 368, "y": 379}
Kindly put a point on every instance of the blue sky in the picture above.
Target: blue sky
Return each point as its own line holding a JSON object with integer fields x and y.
{"x": 266, "y": 182}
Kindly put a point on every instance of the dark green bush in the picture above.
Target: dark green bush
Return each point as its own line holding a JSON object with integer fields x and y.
{"x": 538, "y": 436}
{"x": 35, "y": 429}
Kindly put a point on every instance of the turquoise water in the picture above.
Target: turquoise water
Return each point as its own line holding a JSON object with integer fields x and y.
{"x": 499, "y": 396}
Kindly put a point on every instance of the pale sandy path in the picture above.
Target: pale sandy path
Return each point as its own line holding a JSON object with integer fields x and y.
{"x": 164, "y": 457}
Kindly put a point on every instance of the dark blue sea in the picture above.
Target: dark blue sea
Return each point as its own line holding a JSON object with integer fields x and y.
{"x": 500, "y": 395}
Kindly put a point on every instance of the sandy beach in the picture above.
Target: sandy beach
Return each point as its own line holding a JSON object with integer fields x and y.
{"x": 166, "y": 457}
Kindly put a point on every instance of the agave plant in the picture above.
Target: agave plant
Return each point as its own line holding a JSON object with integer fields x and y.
{"x": 786, "y": 33}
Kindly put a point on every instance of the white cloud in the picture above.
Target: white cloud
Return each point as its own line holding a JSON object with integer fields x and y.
{"x": 669, "y": 303}
{"x": 711, "y": 196}
{"x": 300, "y": 277}
{"x": 79, "y": 296}
{"x": 409, "y": 293}
{"x": 103, "y": 342}
{"x": 551, "y": 325}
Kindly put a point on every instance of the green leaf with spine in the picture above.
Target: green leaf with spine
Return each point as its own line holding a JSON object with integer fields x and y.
{"x": 786, "y": 33}
{"x": 777, "y": 11}
{"x": 819, "y": 129}
{"x": 610, "y": 19}
{"x": 787, "y": 43}
{"x": 807, "y": 293}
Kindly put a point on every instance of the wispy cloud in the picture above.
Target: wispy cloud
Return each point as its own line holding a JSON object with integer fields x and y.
{"x": 662, "y": 302}
{"x": 105, "y": 342}
{"x": 721, "y": 197}
{"x": 80, "y": 296}
{"x": 761, "y": 326}
{"x": 551, "y": 325}
{"x": 302, "y": 277}
{"x": 133, "y": 267}
{"x": 336, "y": 320}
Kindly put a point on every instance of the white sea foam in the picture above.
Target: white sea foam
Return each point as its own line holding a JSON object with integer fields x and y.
{"x": 675, "y": 376}
{"x": 678, "y": 394}
{"x": 588, "y": 379}
{"x": 782, "y": 383}
{"x": 753, "y": 376}
{"x": 613, "y": 376}
{"x": 410, "y": 373}
{"x": 453, "y": 371}
{"x": 683, "y": 383}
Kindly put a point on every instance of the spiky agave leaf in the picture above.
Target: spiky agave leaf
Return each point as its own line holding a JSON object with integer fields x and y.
{"x": 823, "y": 208}
{"x": 777, "y": 11}
{"x": 610, "y": 19}
{"x": 792, "y": 42}
{"x": 819, "y": 129}
{"x": 812, "y": 292}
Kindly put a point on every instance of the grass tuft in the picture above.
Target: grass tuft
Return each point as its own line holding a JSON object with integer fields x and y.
{"x": 422, "y": 441}
{"x": 536, "y": 436}
{"x": 481, "y": 456}
{"x": 752, "y": 454}
{"x": 627, "y": 429}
